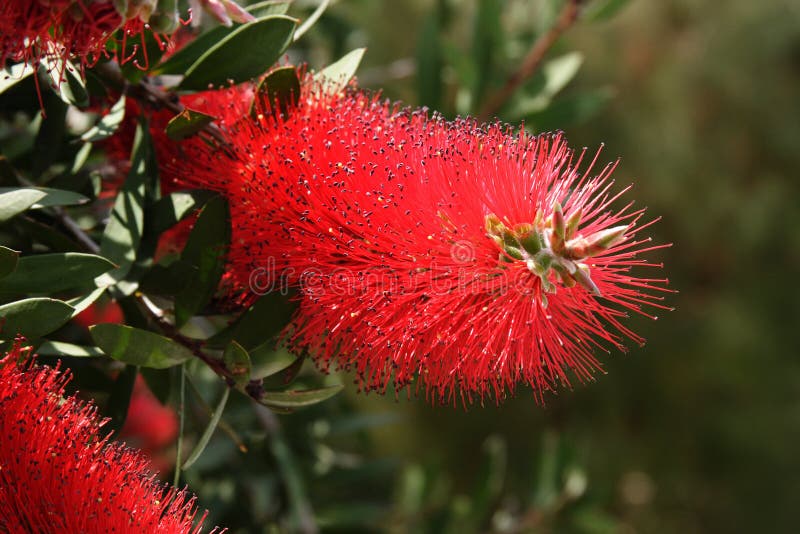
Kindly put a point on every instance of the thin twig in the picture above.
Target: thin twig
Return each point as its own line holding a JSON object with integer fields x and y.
{"x": 566, "y": 18}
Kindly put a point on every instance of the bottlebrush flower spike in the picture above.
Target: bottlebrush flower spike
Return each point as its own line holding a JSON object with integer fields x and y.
{"x": 467, "y": 257}
{"x": 59, "y": 474}
{"x": 33, "y": 31}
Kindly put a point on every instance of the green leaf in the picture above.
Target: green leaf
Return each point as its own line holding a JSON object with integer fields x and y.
{"x": 245, "y": 53}
{"x": 258, "y": 324}
{"x": 14, "y": 201}
{"x": 173, "y": 207}
{"x": 298, "y": 399}
{"x": 66, "y": 81}
{"x": 144, "y": 52}
{"x": 84, "y": 301}
{"x": 11, "y": 76}
{"x": 51, "y": 273}
{"x": 282, "y": 378}
{"x": 138, "y": 347}
{"x": 237, "y": 361}
{"x": 486, "y": 40}
{"x": 205, "y": 251}
{"x": 159, "y": 382}
{"x": 570, "y": 110}
{"x": 108, "y": 123}
{"x": 185, "y": 57}
{"x": 280, "y": 89}
{"x": 123, "y": 232}
{"x": 60, "y": 348}
{"x": 209, "y": 431}
{"x": 430, "y": 62}
{"x": 187, "y": 123}
{"x": 48, "y": 144}
{"x": 604, "y": 9}
{"x": 119, "y": 399}
{"x": 8, "y": 261}
{"x": 48, "y": 197}
{"x": 312, "y": 19}
{"x": 546, "y": 84}
{"x": 336, "y": 76}
{"x": 33, "y": 318}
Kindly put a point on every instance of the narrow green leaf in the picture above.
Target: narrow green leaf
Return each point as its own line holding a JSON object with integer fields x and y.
{"x": 546, "y": 84}
{"x": 108, "y": 123}
{"x": 84, "y": 301}
{"x": 284, "y": 377}
{"x": 65, "y": 81}
{"x": 60, "y": 348}
{"x": 51, "y": 273}
{"x": 48, "y": 197}
{"x": 604, "y": 9}
{"x": 245, "y": 53}
{"x": 258, "y": 324}
{"x": 280, "y": 89}
{"x": 187, "y": 123}
{"x": 237, "y": 361}
{"x": 571, "y": 110}
{"x": 11, "y": 76}
{"x": 123, "y": 232}
{"x": 312, "y": 19}
{"x": 336, "y": 76}
{"x": 173, "y": 207}
{"x": 181, "y": 419}
{"x": 269, "y": 7}
{"x": 14, "y": 201}
{"x": 486, "y": 41}
{"x": 138, "y": 347}
{"x": 49, "y": 141}
{"x": 119, "y": 399}
{"x": 430, "y": 62}
{"x": 299, "y": 399}
{"x": 209, "y": 431}
{"x": 8, "y": 261}
{"x": 159, "y": 382}
{"x": 205, "y": 252}
{"x": 33, "y": 318}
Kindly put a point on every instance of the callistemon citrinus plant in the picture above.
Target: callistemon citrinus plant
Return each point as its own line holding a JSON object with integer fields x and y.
{"x": 468, "y": 257}
{"x": 59, "y": 473}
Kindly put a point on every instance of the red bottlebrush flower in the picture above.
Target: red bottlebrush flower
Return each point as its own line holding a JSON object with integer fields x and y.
{"x": 59, "y": 474}
{"x": 468, "y": 256}
{"x": 57, "y": 30}
{"x": 150, "y": 427}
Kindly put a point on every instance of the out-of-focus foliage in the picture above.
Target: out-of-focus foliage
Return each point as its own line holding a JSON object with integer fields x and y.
{"x": 695, "y": 432}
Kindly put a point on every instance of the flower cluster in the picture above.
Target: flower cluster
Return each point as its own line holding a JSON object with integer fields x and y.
{"x": 466, "y": 257}
{"x": 58, "y": 473}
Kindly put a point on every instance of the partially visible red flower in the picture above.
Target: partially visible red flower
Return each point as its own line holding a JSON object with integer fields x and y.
{"x": 150, "y": 427}
{"x": 58, "y": 473}
{"x": 100, "y": 312}
{"x": 467, "y": 256}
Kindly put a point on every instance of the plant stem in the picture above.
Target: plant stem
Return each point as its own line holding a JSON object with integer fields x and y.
{"x": 566, "y": 18}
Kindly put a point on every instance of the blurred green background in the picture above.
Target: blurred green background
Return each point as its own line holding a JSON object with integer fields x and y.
{"x": 697, "y": 431}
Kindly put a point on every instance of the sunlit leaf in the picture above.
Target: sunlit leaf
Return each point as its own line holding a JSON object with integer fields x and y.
{"x": 138, "y": 347}
{"x": 14, "y": 201}
{"x": 61, "y": 348}
{"x": 298, "y": 399}
{"x": 33, "y": 318}
{"x": 337, "y": 75}
{"x": 243, "y": 54}
{"x": 108, "y": 123}
{"x": 51, "y": 273}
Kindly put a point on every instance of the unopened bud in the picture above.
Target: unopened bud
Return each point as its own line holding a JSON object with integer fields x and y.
{"x": 572, "y": 224}
{"x": 581, "y": 275}
{"x": 165, "y": 19}
{"x": 216, "y": 9}
{"x": 236, "y": 13}
{"x": 586, "y": 247}
{"x": 558, "y": 224}
{"x": 528, "y": 238}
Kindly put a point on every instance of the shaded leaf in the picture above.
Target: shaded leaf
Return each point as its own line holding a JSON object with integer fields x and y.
{"x": 84, "y": 301}
{"x": 187, "y": 123}
{"x": 259, "y": 324}
{"x": 108, "y": 123}
{"x": 8, "y": 261}
{"x": 14, "y": 201}
{"x": 336, "y": 76}
{"x": 548, "y": 81}
{"x": 570, "y": 110}
{"x": 120, "y": 398}
{"x": 123, "y": 233}
{"x": 159, "y": 382}
{"x": 604, "y": 9}
{"x": 245, "y": 53}
{"x": 65, "y": 81}
{"x": 173, "y": 207}
{"x": 299, "y": 399}
{"x": 33, "y": 318}
{"x": 237, "y": 361}
{"x": 209, "y": 430}
{"x": 50, "y": 197}
{"x": 138, "y": 347}
{"x": 205, "y": 252}
{"x": 279, "y": 90}
{"x": 61, "y": 348}
{"x": 12, "y": 75}
{"x": 50, "y": 273}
